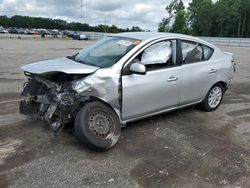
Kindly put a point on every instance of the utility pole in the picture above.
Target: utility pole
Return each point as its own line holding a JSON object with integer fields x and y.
{"x": 105, "y": 23}
{"x": 81, "y": 9}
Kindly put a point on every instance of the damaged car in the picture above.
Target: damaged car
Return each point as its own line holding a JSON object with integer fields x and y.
{"x": 123, "y": 78}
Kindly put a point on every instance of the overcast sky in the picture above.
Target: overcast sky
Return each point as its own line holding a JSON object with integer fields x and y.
{"x": 124, "y": 13}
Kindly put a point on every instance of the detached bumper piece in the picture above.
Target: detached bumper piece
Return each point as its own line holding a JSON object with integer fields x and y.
{"x": 29, "y": 108}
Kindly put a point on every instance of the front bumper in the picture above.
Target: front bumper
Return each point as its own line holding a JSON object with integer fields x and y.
{"x": 38, "y": 110}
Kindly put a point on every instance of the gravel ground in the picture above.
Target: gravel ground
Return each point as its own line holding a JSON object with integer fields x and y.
{"x": 185, "y": 148}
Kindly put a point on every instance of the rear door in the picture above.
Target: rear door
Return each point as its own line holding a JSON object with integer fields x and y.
{"x": 159, "y": 89}
{"x": 199, "y": 72}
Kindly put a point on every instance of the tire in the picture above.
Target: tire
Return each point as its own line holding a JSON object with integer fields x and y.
{"x": 97, "y": 126}
{"x": 210, "y": 104}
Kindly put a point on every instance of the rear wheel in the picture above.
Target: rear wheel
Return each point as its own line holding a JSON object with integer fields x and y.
{"x": 97, "y": 126}
{"x": 213, "y": 98}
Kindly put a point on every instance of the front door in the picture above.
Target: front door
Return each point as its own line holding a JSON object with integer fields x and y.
{"x": 158, "y": 89}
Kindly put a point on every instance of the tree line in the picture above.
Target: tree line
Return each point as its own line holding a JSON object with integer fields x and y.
{"x": 222, "y": 18}
{"x": 48, "y": 23}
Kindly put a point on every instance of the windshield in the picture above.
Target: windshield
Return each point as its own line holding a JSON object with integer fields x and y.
{"x": 106, "y": 52}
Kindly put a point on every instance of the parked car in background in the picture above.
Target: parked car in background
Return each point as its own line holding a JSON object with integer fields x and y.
{"x": 21, "y": 31}
{"x": 83, "y": 37}
{"x": 55, "y": 32}
{"x": 2, "y": 30}
{"x": 13, "y": 30}
{"x": 68, "y": 33}
{"x": 123, "y": 78}
{"x": 78, "y": 36}
{"x": 28, "y": 31}
{"x": 35, "y": 32}
{"x": 75, "y": 36}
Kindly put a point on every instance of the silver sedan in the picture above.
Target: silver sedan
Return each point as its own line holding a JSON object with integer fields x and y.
{"x": 123, "y": 78}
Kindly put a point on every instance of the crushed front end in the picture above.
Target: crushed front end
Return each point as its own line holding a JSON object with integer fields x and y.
{"x": 50, "y": 98}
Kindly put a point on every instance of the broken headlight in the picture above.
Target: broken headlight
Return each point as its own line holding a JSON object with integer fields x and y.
{"x": 80, "y": 86}
{"x": 66, "y": 98}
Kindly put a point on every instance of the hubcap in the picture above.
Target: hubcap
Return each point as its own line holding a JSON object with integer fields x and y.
{"x": 101, "y": 124}
{"x": 215, "y": 97}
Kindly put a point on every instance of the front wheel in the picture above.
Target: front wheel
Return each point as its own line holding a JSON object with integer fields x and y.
{"x": 97, "y": 126}
{"x": 213, "y": 98}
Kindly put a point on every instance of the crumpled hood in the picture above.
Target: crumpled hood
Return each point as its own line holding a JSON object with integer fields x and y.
{"x": 64, "y": 65}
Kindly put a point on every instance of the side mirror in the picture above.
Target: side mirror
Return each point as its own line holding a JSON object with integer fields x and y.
{"x": 138, "y": 68}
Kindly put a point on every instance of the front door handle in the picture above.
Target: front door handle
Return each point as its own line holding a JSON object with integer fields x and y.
{"x": 172, "y": 79}
{"x": 212, "y": 71}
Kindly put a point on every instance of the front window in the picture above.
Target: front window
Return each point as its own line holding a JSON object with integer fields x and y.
{"x": 106, "y": 52}
{"x": 159, "y": 55}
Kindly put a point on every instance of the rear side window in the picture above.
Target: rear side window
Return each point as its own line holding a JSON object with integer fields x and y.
{"x": 194, "y": 52}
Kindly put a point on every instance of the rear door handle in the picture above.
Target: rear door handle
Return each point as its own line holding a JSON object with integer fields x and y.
{"x": 212, "y": 71}
{"x": 172, "y": 79}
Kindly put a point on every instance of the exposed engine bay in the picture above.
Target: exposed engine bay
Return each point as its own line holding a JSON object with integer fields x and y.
{"x": 51, "y": 98}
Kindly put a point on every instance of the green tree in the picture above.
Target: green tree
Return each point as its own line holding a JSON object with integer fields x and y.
{"x": 200, "y": 17}
{"x": 179, "y": 25}
{"x": 243, "y": 26}
{"x": 48, "y": 23}
{"x": 164, "y": 25}
{"x": 135, "y": 28}
{"x": 228, "y": 18}
{"x": 176, "y": 21}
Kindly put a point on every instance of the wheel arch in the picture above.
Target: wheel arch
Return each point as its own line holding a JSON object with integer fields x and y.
{"x": 224, "y": 84}
{"x": 84, "y": 100}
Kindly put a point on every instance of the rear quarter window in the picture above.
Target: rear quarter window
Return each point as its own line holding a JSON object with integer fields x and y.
{"x": 207, "y": 52}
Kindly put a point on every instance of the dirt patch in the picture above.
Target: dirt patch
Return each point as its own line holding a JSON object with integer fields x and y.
{"x": 3, "y": 72}
{"x": 237, "y": 94}
{"x": 4, "y": 80}
{"x": 177, "y": 145}
{"x": 8, "y": 147}
{"x": 9, "y": 107}
{"x": 3, "y": 181}
{"x": 15, "y": 73}
{"x": 9, "y": 96}
{"x": 37, "y": 140}
{"x": 241, "y": 112}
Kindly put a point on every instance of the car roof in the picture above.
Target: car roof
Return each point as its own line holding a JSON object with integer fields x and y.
{"x": 143, "y": 36}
